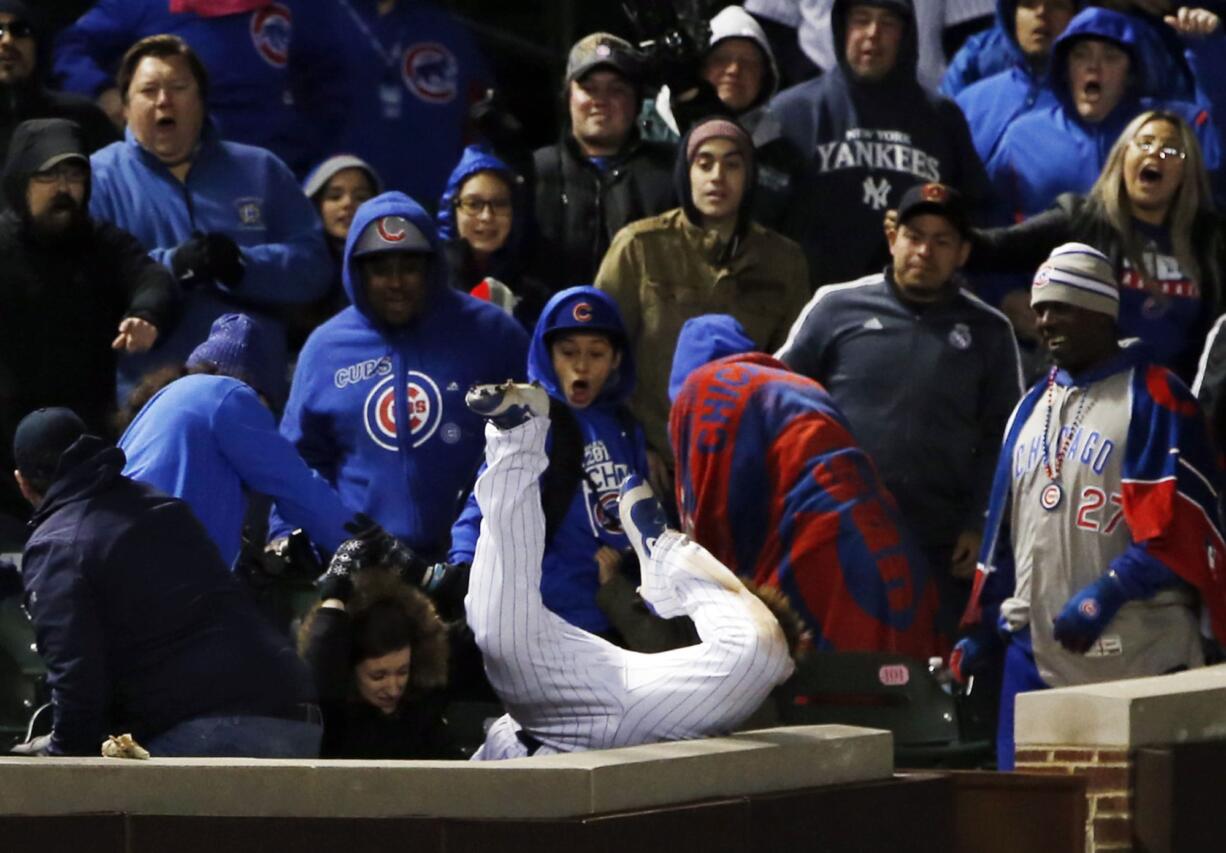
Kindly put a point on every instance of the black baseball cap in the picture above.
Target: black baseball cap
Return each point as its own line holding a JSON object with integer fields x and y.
{"x": 935, "y": 198}
{"x": 41, "y": 439}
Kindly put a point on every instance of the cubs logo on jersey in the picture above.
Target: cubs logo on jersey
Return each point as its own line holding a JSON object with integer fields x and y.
{"x": 271, "y": 29}
{"x": 431, "y": 72}
{"x": 422, "y": 410}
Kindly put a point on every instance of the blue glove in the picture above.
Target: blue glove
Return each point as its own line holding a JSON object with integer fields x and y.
{"x": 966, "y": 659}
{"x": 1082, "y": 620}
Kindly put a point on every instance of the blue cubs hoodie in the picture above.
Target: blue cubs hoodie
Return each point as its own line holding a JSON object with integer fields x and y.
{"x": 379, "y": 411}
{"x": 613, "y": 447}
{"x": 1051, "y": 151}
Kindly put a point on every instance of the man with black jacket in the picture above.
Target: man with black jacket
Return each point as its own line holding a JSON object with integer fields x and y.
{"x": 74, "y": 292}
{"x": 142, "y": 627}
{"x": 25, "y": 53}
{"x": 601, "y": 175}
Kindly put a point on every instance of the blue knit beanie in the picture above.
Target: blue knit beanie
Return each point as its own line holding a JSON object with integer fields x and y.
{"x": 243, "y": 347}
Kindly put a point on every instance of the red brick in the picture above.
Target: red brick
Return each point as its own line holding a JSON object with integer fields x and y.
{"x": 1106, "y": 778}
{"x": 1112, "y": 804}
{"x": 1073, "y": 756}
{"x": 1032, "y": 756}
{"x": 1112, "y": 830}
{"x": 1050, "y": 769}
{"x": 1113, "y": 756}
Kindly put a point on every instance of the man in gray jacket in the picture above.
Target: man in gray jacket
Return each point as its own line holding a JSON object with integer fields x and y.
{"x": 927, "y": 374}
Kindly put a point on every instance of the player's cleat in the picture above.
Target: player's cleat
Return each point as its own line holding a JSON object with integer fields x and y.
{"x": 508, "y": 404}
{"x": 642, "y": 517}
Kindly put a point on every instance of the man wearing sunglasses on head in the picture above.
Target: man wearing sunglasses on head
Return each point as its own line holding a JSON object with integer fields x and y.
{"x": 23, "y": 60}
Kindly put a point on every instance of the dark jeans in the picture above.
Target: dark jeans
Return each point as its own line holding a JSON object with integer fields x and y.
{"x": 238, "y": 736}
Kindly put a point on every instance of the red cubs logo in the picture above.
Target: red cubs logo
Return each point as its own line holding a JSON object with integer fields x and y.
{"x": 1042, "y": 276}
{"x": 422, "y": 410}
{"x": 431, "y": 72}
{"x": 390, "y": 229}
{"x": 271, "y": 30}
{"x": 938, "y": 193}
{"x": 582, "y": 312}
{"x": 1089, "y": 608}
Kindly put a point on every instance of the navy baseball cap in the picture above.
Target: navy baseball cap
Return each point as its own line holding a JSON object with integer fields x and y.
{"x": 41, "y": 439}
{"x": 582, "y": 313}
{"x": 391, "y": 234}
{"x": 936, "y": 198}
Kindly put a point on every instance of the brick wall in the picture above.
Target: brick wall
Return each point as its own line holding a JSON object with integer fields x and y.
{"x": 1109, "y": 788}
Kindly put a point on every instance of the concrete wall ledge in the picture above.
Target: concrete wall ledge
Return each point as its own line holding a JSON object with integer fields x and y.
{"x": 1167, "y": 709}
{"x": 555, "y": 786}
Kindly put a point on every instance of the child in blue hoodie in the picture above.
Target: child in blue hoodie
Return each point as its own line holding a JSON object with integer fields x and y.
{"x": 579, "y": 355}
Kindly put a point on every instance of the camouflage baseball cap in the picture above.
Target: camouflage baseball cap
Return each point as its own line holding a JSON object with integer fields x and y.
{"x": 602, "y": 50}
{"x": 391, "y": 234}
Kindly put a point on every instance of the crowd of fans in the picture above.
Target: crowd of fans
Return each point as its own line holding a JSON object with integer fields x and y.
{"x": 246, "y": 257}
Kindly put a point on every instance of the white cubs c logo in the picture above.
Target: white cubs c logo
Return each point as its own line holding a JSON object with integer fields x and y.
{"x": 423, "y": 409}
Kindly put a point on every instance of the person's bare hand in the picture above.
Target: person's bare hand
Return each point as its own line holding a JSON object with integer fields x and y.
{"x": 1192, "y": 21}
{"x": 966, "y": 554}
{"x": 608, "y": 564}
{"x": 135, "y": 335}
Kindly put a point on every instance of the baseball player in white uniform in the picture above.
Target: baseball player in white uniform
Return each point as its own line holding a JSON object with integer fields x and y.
{"x": 564, "y": 688}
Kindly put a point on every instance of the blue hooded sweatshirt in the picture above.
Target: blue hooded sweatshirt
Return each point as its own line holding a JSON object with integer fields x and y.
{"x": 344, "y": 412}
{"x": 412, "y": 75}
{"x": 1051, "y": 151}
{"x": 613, "y": 447}
{"x": 997, "y": 83}
{"x": 255, "y": 60}
{"x": 238, "y": 190}
{"x": 209, "y": 441}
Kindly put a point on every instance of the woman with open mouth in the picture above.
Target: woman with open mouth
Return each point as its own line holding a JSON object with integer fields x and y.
{"x": 1151, "y": 212}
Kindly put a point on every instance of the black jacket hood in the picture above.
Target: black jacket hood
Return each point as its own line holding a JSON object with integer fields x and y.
{"x": 904, "y": 70}
{"x": 89, "y": 466}
{"x": 685, "y": 195}
{"x": 33, "y": 143}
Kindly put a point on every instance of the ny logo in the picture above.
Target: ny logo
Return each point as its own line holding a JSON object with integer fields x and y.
{"x": 876, "y": 193}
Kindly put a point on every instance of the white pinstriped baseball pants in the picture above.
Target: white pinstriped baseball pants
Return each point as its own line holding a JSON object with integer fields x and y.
{"x": 570, "y": 690}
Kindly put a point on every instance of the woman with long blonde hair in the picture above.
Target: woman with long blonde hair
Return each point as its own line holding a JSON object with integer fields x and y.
{"x": 1152, "y": 213}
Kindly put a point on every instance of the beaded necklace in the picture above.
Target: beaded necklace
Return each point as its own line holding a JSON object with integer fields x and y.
{"x": 1051, "y": 495}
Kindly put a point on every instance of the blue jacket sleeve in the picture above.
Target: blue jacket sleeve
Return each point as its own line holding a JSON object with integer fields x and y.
{"x": 294, "y": 267}
{"x": 315, "y": 448}
{"x": 70, "y": 641}
{"x": 86, "y": 50}
{"x": 465, "y": 530}
{"x": 267, "y": 463}
{"x": 805, "y": 349}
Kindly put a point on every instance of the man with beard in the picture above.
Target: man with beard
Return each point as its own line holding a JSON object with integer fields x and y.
{"x": 74, "y": 292}
{"x": 23, "y": 57}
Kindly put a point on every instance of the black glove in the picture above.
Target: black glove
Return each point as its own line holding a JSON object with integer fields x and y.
{"x": 386, "y": 550}
{"x": 10, "y": 580}
{"x": 447, "y": 584}
{"x": 496, "y": 123}
{"x": 225, "y": 260}
{"x": 351, "y": 557}
{"x": 205, "y": 258}
{"x": 190, "y": 262}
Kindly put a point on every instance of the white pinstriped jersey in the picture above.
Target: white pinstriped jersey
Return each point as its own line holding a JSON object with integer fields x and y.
{"x": 571, "y": 690}
{"x": 1059, "y": 550}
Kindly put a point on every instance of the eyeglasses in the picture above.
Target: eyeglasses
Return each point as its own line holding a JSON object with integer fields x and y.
{"x": 475, "y": 206}
{"x": 16, "y": 29}
{"x": 73, "y": 173}
{"x": 1165, "y": 152}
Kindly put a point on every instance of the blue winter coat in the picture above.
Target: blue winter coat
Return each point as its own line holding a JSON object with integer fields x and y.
{"x": 243, "y": 192}
{"x": 613, "y": 447}
{"x": 139, "y": 623}
{"x": 411, "y": 76}
{"x": 344, "y": 412}
{"x": 209, "y": 441}
{"x": 276, "y": 75}
{"x": 1051, "y": 151}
